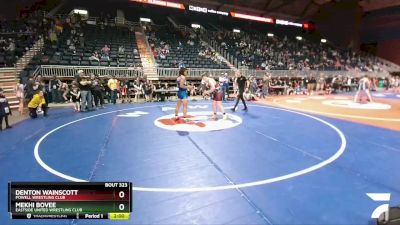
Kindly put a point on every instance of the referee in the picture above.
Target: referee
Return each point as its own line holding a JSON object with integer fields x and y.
{"x": 242, "y": 84}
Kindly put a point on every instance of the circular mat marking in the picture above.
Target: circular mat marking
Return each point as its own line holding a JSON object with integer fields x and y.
{"x": 379, "y": 95}
{"x": 317, "y": 166}
{"x": 355, "y": 105}
{"x": 293, "y": 101}
{"x": 197, "y": 122}
{"x": 340, "y": 98}
{"x": 276, "y": 102}
{"x": 317, "y": 97}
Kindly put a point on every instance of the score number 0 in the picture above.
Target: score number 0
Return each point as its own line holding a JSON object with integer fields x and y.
{"x": 121, "y": 194}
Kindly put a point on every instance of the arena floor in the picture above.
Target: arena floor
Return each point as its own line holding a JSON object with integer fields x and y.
{"x": 288, "y": 160}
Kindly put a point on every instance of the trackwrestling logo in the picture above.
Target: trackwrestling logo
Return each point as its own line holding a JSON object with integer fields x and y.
{"x": 197, "y": 122}
{"x": 379, "y": 197}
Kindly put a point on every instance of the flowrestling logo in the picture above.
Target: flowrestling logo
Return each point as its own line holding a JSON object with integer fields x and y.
{"x": 380, "y": 197}
{"x": 197, "y": 122}
{"x": 134, "y": 114}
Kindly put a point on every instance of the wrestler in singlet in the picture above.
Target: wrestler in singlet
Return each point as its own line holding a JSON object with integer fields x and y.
{"x": 216, "y": 92}
{"x": 363, "y": 86}
{"x": 182, "y": 92}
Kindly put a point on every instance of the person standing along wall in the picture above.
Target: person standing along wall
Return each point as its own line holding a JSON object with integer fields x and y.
{"x": 113, "y": 85}
{"x": 85, "y": 86}
{"x": 75, "y": 97}
{"x": 265, "y": 86}
{"x": 5, "y": 110}
{"x": 19, "y": 90}
{"x": 64, "y": 90}
{"x": 97, "y": 91}
{"x": 54, "y": 85}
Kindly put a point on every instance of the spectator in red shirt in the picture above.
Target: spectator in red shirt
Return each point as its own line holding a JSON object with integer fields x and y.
{"x": 105, "y": 50}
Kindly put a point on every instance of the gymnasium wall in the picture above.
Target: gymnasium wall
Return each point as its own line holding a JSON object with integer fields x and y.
{"x": 382, "y": 29}
{"x": 339, "y": 22}
{"x": 390, "y": 50}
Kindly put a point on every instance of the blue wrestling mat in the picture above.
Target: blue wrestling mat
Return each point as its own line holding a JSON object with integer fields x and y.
{"x": 265, "y": 166}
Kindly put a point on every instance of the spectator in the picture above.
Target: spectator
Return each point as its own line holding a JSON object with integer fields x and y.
{"x": 5, "y": 110}
{"x": 38, "y": 101}
{"x": 105, "y": 50}
{"x": 224, "y": 82}
{"x": 85, "y": 86}
{"x": 95, "y": 57}
{"x": 123, "y": 90}
{"x": 138, "y": 89}
{"x": 19, "y": 90}
{"x": 148, "y": 89}
{"x": 121, "y": 49}
{"x": 162, "y": 56}
{"x": 105, "y": 57}
{"x": 113, "y": 85}
{"x": 312, "y": 82}
{"x": 54, "y": 86}
{"x": 75, "y": 96}
{"x": 81, "y": 40}
{"x": 97, "y": 91}
{"x": 29, "y": 89}
{"x": 180, "y": 46}
{"x": 72, "y": 47}
{"x": 321, "y": 84}
{"x": 40, "y": 85}
{"x": 53, "y": 37}
{"x": 159, "y": 94}
{"x": 265, "y": 86}
{"x": 11, "y": 46}
{"x": 181, "y": 64}
{"x": 64, "y": 90}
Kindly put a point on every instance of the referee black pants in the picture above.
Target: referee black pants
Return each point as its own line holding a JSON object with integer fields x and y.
{"x": 240, "y": 97}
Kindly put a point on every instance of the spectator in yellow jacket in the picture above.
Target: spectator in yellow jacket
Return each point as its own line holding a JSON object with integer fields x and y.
{"x": 37, "y": 101}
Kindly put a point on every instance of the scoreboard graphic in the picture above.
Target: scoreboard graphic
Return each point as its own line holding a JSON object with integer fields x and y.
{"x": 70, "y": 200}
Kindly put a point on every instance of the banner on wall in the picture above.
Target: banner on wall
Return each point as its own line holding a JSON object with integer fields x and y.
{"x": 250, "y": 17}
{"x": 161, "y": 3}
{"x": 207, "y": 10}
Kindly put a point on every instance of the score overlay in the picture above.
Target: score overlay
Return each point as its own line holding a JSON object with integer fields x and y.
{"x": 70, "y": 200}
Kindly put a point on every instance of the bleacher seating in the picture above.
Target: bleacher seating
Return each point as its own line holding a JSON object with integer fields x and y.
{"x": 180, "y": 52}
{"x": 13, "y": 45}
{"x": 94, "y": 38}
{"x": 251, "y": 48}
{"x": 17, "y": 36}
{"x": 259, "y": 51}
